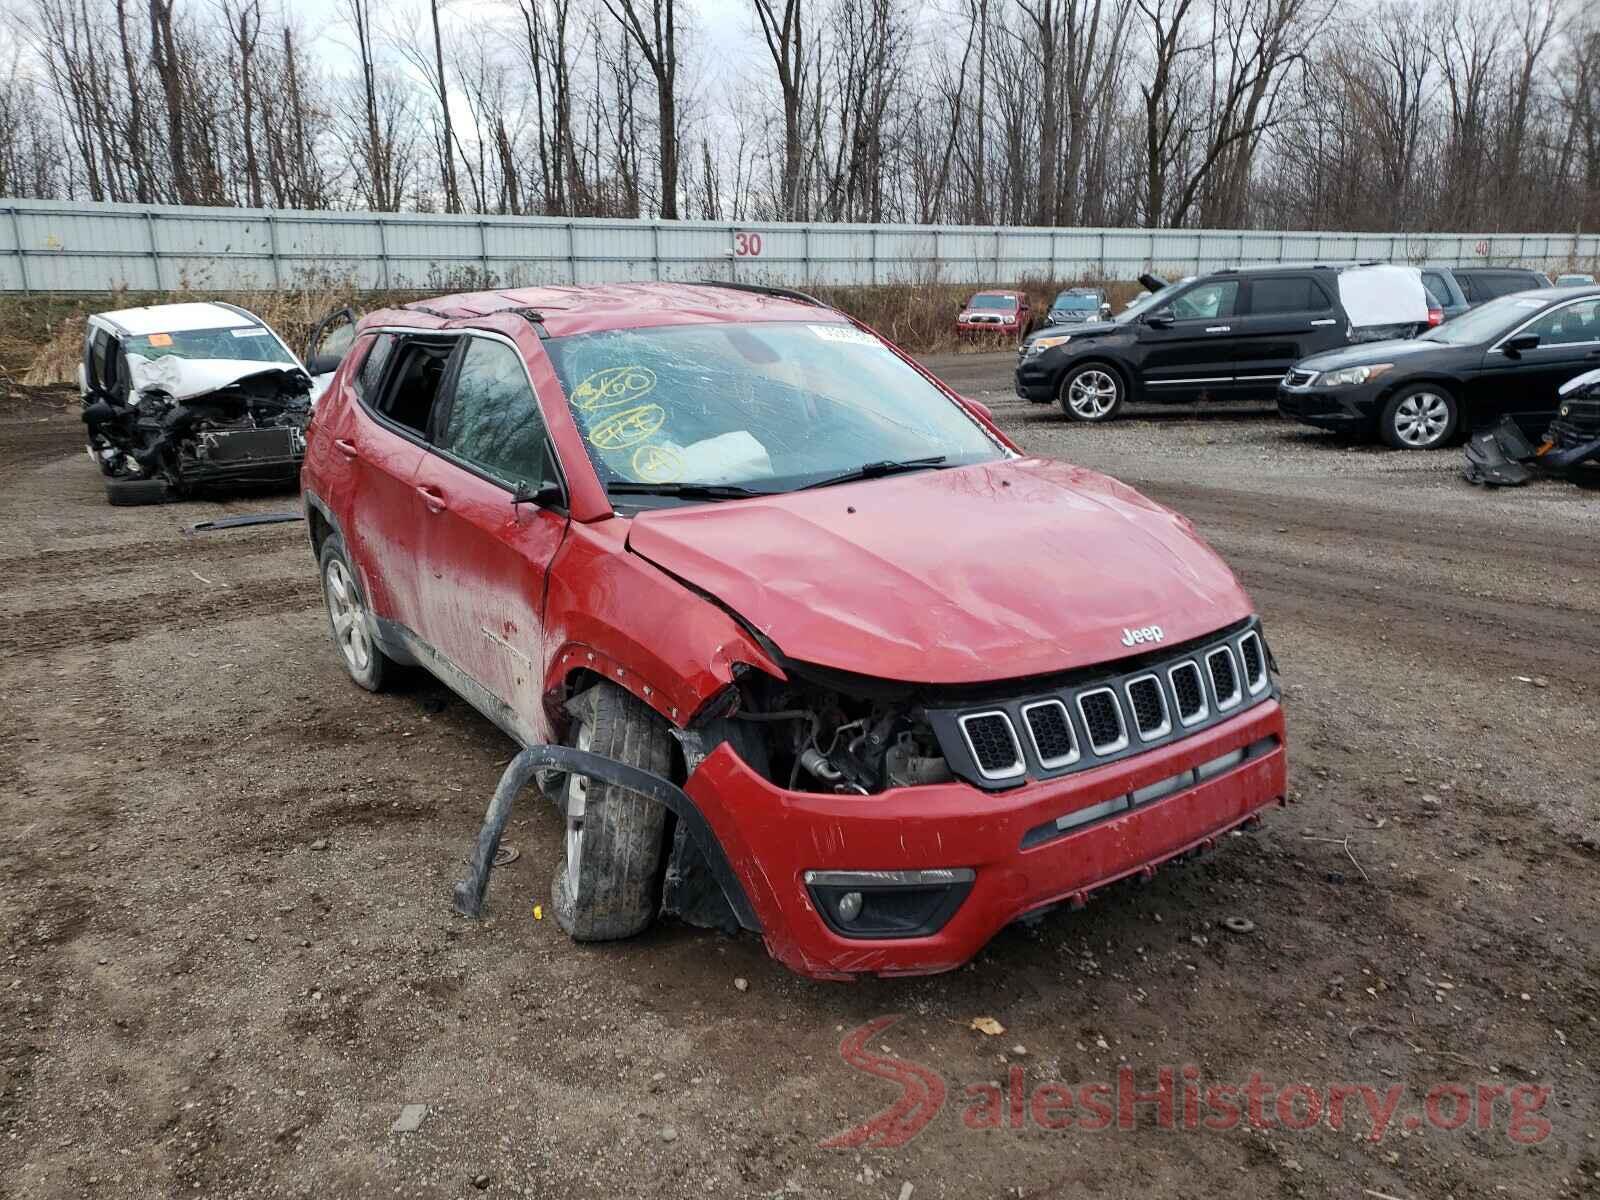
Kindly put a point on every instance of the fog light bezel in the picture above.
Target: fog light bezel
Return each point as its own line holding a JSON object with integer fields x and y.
{"x": 910, "y": 904}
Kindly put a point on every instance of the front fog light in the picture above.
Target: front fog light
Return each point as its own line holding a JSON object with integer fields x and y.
{"x": 849, "y": 907}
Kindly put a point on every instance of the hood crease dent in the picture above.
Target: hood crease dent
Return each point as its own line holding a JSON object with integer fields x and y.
{"x": 997, "y": 571}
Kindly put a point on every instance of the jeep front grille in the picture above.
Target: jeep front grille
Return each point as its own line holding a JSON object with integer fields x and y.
{"x": 1102, "y": 717}
{"x": 1224, "y": 679}
{"x": 1051, "y": 731}
{"x": 1190, "y": 693}
{"x": 1255, "y": 663}
{"x": 1149, "y": 707}
{"x": 1095, "y": 718}
{"x": 993, "y": 744}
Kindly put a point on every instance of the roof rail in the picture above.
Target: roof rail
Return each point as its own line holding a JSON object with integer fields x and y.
{"x": 764, "y": 290}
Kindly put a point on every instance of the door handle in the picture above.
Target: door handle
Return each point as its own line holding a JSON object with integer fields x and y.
{"x": 1218, "y": 328}
{"x": 346, "y": 448}
{"x": 1325, "y": 321}
{"x": 432, "y": 498}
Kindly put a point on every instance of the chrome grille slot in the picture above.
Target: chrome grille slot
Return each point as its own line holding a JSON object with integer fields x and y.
{"x": 1190, "y": 691}
{"x": 993, "y": 744}
{"x": 1051, "y": 730}
{"x": 1224, "y": 678}
{"x": 1255, "y": 662}
{"x": 1102, "y": 719}
{"x": 1149, "y": 708}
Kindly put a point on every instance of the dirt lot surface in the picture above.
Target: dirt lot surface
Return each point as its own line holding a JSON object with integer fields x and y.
{"x": 227, "y": 958}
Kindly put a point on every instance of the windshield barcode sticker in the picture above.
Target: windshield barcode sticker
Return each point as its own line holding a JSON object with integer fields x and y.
{"x": 248, "y": 332}
{"x": 843, "y": 333}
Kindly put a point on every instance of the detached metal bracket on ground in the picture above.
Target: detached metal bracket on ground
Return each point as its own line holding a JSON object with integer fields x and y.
{"x": 469, "y": 892}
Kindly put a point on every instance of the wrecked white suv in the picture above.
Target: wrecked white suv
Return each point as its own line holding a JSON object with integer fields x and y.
{"x": 180, "y": 398}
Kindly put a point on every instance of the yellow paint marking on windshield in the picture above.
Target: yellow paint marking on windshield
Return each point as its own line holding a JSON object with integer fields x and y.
{"x": 613, "y": 386}
{"x": 655, "y": 463}
{"x": 627, "y": 428}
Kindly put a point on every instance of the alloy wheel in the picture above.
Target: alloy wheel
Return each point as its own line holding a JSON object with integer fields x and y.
{"x": 348, "y": 616}
{"x": 1421, "y": 419}
{"x": 1092, "y": 394}
{"x": 577, "y": 800}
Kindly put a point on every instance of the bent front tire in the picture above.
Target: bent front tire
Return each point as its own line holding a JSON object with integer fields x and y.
{"x": 608, "y": 883}
{"x": 1424, "y": 416}
{"x": 1092, "y": 393}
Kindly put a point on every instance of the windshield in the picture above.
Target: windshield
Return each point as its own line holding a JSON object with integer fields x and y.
{"x": 1146, "y": 303}
{"x": 1070, "y": 303}
{"x": 982, "y": 300}
{"x": 768, "y": 406}
{"x": 246, "y": 343}
{"x": 1485, "y": 323}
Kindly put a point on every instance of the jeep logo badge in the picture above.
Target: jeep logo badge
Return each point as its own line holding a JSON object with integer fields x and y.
{"x": 1136, "y": 637}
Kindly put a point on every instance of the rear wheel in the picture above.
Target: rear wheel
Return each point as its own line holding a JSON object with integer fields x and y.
{"x": 608, "y": 883}
{"x": 349, "y": 623}
{"x": 1421, "y": 417}
{"x": 1091, "y": 393}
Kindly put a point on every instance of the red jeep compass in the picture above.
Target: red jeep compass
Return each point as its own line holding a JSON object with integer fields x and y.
{"x": 822, "y": 654}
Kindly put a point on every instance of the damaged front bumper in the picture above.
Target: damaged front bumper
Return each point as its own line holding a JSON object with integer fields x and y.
{"x": 963, "y": 863}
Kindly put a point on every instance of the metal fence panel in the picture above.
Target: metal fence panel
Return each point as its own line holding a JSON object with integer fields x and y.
{"x": 53, "y": 246}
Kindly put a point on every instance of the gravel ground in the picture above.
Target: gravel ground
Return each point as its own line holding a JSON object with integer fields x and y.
{"x": 227, "y": 960}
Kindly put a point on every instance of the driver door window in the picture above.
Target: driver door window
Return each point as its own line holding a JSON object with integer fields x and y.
{"x": 494, "y": 422}
{"x": 1206, "y": 301}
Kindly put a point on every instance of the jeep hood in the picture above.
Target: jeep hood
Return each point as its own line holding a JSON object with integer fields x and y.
{"x": 967, "y": 575}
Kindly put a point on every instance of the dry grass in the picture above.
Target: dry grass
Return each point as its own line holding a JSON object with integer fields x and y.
{"x": 41, "y": 337}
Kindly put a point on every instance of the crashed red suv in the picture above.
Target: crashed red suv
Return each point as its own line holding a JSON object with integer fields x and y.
{"x": 817, "y": 651}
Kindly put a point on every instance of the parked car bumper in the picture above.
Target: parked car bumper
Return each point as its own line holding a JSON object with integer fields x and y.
{"x": 1003, "y": 851}
{"x": 1035, "y": 382}
{"x": 992, "y": 328}
{"x": 1346, "y": 408}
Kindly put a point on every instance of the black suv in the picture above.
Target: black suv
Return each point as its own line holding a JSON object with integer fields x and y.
{"x": 1227, "y": 335}
{"x": 1482, "y": 284}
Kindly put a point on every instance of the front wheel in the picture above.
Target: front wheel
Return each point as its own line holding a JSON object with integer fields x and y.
{"x": 608, "y": 885}
{"x": 1421, "y": 417}
{"x": 1091, "y": 393}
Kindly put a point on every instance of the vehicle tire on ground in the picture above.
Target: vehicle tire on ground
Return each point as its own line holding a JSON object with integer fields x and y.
{"x": 1423, "y": 416}
{"x": 348, "y": 619}
{"x": 608, "y": 884}
{"x": 131, "y": 493}
{"x": 1092, "y": 393}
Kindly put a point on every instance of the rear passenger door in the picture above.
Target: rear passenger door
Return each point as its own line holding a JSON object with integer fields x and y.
{"x": 484, "y": 554}
{"x": 376, "y": 446}
{"x": 1285, "y": 318}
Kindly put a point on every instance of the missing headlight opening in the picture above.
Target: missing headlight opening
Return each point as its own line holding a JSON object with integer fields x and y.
{"x": 821, "y": 738}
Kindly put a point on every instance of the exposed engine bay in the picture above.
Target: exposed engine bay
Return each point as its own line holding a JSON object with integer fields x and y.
{"x": 820, "y": 738}
{"x": 249, "y": 430}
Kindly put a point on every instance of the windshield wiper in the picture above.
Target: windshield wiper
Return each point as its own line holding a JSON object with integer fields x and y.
{"x": 686, "y": 491}
{"x": 876, "y": 470}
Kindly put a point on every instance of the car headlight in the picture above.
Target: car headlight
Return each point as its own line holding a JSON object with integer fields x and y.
{"x": 1040, "y": 345}
{"x": 1351, "y": 376}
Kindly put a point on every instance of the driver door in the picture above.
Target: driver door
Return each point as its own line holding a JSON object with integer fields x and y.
{"x": 483, "y": 553}
{"x": 1186, "y": 347}
{"x": 1526, "y": 385}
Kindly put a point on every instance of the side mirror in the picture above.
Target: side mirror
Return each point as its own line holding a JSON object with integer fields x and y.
{"x": 1105, "y": 308}
{"x": 1523, "y": 341}
{"x": 324, "y": 364}
{"x": 546, "y": 495}
{"x": 979, "y": 407}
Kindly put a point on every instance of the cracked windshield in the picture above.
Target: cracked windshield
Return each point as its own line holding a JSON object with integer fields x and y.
{"x": 767, "y": 407}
